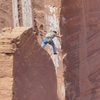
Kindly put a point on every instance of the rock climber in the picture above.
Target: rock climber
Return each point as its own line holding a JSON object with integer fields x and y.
{"x": 48, "y": 39}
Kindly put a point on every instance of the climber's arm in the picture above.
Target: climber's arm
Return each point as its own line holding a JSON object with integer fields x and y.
{"x": 59, "y": 36}
{"x": 42, "y": 33}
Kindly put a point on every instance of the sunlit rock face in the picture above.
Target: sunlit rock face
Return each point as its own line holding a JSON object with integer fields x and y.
{"x": 80, "y": 26}
{"x": 5, "y": 13}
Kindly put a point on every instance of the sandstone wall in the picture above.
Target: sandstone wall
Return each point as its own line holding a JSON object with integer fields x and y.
{"x": 5, "y": 13}
{"x": 7, "y": 49}
{"x": 33, "y": 70}
{"x": 26, "y": 70}
{"x": 80, "y": 26}
{"x": 6, "y": 66}
{"x": 38, "y": 8}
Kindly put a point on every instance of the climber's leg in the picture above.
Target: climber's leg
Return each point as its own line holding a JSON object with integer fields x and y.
{"x": 53, "y": 46}
{"x": 44, "y": 42}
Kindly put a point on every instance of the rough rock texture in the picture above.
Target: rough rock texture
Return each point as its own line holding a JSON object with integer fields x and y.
{"x": 26, "y": 70}
{"x": 38, "y": 7}
{"x": 34, "y": 72}
{"x": 40, "y": 10}
{"x": 6, "y": 64}
{"x": 5, "y": 13}
{"x": 7, "y": 49}
{"x": 46, "y": 16}
{"x": 80, "y": 26}
{"x": 39, "y": 13}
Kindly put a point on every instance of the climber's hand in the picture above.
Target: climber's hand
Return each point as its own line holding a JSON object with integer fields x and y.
{"x": 61, "y": 35}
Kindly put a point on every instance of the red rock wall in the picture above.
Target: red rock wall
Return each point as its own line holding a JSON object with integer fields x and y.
{"x": 6, "y": 65}
{"x": 5, "y": 13}
{"x": 34, "y": 73}
{"x": 38, "y": 8}
{"x": 80, "y": 26}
